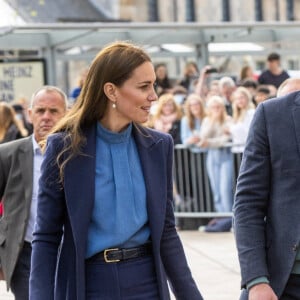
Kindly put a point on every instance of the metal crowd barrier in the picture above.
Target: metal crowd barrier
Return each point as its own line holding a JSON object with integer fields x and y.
{"x": 192, "y": 191}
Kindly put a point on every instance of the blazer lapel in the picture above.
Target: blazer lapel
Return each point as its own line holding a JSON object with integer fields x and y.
{"x": 296, "y": 118}
{"x": 25, "y": 157}
{"x": 80, "y": 186}
{"x": 151, "y": 154}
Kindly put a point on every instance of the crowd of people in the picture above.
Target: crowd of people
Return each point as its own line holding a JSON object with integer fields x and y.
{"x": 206, "y": 112}
{"x": 203, "y": 110}
{"x": 210, "y": 111}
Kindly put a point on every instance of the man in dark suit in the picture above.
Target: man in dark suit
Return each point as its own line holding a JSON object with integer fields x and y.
{"x": 19, "y": 173}
{"x": 267, "y": 204}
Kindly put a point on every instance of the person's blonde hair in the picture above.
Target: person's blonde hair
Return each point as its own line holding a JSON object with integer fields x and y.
{"x": 164, "y": 99}
{"x": 238, "y": 113}
{"x": 187, "y": 110}
{"x": 219, "y": 101}
{"x": 115, "y": 63}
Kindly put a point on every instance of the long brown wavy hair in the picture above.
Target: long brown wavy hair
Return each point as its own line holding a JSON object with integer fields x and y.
{"x": 115, "y": 63}
{"x": 238, "y": 113}
{"x": 7, "y": 118}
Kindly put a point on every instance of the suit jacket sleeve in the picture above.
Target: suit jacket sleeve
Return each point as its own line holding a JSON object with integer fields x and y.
{"x": 251, "y": 201}
{"x": 48, "y": 227}
{"x": 173, "y": 257}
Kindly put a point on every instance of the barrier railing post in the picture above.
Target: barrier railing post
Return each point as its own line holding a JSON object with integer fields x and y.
{"x": 192, "y": 183}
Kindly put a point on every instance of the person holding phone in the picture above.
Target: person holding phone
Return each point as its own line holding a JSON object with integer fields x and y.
{"x": 201, "y": 87}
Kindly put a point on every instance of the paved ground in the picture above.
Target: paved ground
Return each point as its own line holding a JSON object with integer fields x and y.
{"x": 213, "y": 260}
{"x": 214, "y": 264}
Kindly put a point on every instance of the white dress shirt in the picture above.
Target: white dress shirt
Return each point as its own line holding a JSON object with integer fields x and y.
{"x": 37, "y": 161}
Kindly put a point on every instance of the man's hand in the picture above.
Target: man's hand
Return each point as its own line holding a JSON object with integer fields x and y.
{"x": 262, "y": 291}
{"x": 1, "y": 275}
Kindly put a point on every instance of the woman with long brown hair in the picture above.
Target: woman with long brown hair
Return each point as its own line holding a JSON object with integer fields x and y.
{"x": 243, "y": 112}
{"x": 191, "y": 122}
{"x": 10, "y": 128}
{"x": 105, "y": 224}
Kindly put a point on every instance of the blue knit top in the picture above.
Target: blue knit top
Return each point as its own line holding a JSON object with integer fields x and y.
{"x": 119, "y": 216}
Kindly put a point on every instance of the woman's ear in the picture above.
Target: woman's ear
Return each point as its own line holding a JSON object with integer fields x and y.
{"x": 110, "y": 91}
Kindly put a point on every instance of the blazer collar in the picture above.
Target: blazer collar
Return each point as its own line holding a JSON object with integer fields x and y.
{"x": 79, "y": 185}
{"x": 25, "y": 158}
{"x": 27, "y": 145}
{"x": 152, "y": 155}
{"x": 296, "y": 119}
{"x": 143, "y": 137}
{"x": 296, "y": 95}
{"x": 296, "y": 115}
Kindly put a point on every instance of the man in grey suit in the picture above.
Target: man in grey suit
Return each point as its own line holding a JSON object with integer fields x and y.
{"x": 267, "y": 204}
{"x": 19, "y": 173}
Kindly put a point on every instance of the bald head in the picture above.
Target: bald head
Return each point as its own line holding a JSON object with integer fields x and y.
{"x": 288, "y": 86}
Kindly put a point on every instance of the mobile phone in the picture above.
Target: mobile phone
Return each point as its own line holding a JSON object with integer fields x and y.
{"x": 211, "y": 70}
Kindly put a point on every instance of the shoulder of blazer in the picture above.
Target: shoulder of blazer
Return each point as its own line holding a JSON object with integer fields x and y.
{"x": 10, "y": 148}
{"x": 283, "y": 102}
{"x": 57, "y": 138}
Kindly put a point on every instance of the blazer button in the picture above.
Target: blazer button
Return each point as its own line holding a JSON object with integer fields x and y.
{"x": 295, "y": 247}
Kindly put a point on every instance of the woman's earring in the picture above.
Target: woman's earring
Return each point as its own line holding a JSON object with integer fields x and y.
{"x": 114, "y": 105}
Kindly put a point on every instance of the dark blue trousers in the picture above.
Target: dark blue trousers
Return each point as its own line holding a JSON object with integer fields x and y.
{"x": 20, "y": 278}
{"x": 133, "y": 279}
{"x": 292, "y": 289}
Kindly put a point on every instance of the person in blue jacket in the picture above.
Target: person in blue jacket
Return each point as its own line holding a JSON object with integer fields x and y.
{"x": 105, "y": 225}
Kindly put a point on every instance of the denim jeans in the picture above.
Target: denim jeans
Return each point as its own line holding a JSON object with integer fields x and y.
{"x": 20, "y": 278}
{"x": 219, "y": 164}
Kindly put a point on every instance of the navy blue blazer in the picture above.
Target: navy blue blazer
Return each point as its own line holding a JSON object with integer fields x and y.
{"x": 64, "y": 213}
{"x": 267, "y": 202}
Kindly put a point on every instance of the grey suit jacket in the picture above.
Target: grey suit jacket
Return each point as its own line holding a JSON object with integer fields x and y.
{"x": 16, "y": 178}
{"x": 267, "y": 203}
